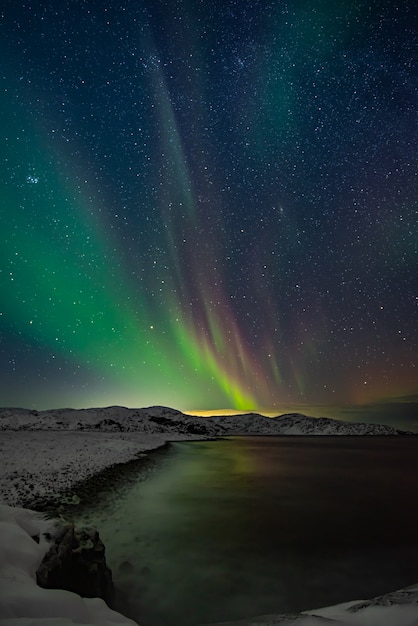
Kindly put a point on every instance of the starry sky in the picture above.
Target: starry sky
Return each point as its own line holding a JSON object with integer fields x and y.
{"x": 209, "y": 205}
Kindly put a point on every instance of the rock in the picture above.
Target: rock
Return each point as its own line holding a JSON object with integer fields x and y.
{"x": 76, "y": 562}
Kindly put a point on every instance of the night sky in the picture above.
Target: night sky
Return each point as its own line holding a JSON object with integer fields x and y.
{"x": 209, "y": 204}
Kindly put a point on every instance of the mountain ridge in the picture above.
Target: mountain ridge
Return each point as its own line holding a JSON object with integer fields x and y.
{"x": 161, "y": 419}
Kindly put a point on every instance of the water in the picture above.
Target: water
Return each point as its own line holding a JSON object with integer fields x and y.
{"x": 246, "y": 526}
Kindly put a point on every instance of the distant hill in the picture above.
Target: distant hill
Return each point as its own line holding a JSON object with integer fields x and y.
{"x": 159, "y": 419}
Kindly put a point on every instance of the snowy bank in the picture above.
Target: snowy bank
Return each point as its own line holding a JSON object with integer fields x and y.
{"x": 24, "y": 540}
{"x": 41, "y": 465}
{"x": 399, "y": 608}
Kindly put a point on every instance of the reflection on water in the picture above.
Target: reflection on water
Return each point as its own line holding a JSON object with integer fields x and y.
{"x": 229, "y": 529}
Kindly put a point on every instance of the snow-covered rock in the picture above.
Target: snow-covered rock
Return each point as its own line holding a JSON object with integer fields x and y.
{"x": 24, "y": 540}
{"x": 76, "y": 562}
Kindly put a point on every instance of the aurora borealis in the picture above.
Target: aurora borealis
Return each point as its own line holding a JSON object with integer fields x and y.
{"x": 208, "y": 205}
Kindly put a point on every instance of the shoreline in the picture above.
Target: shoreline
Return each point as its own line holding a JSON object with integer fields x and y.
{"x": 68, "y": 466}
{"x": 61, "y": 462}
{"x": 88, "y": 492}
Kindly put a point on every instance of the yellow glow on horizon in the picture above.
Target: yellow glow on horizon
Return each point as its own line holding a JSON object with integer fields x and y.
{"x": 309, "y": 410}
{"x": 212, "y": 412}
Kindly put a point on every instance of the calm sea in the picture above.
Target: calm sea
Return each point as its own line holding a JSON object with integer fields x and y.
{"x": 247, "y": 526}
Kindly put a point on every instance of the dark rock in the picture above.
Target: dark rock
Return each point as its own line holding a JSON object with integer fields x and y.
{"x": 161, "y": 420}
{"x": 196, "y": 429}
{"x": 109, "y": 425}
{"x": 76, "y": 562}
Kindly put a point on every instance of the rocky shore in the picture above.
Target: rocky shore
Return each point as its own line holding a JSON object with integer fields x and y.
{"x": 40, "y": 468}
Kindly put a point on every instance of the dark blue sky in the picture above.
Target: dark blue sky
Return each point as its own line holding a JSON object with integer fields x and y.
{"x": 209, "y": 204}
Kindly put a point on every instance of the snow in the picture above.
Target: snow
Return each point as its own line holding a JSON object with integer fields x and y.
{"x": 394, "y": 609}
{"x": 22, "y": 602}
{"x": 375, "y": 615}
{"x": 44, "y": 454}
{"x": 370, "y": 616}
{"x": 37, "y": 465}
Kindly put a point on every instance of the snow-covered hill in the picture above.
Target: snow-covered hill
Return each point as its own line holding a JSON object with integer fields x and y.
{"x": 153, "y": 420}
{"x": 158, "y": 419}
{"x": 297, "y": 424}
